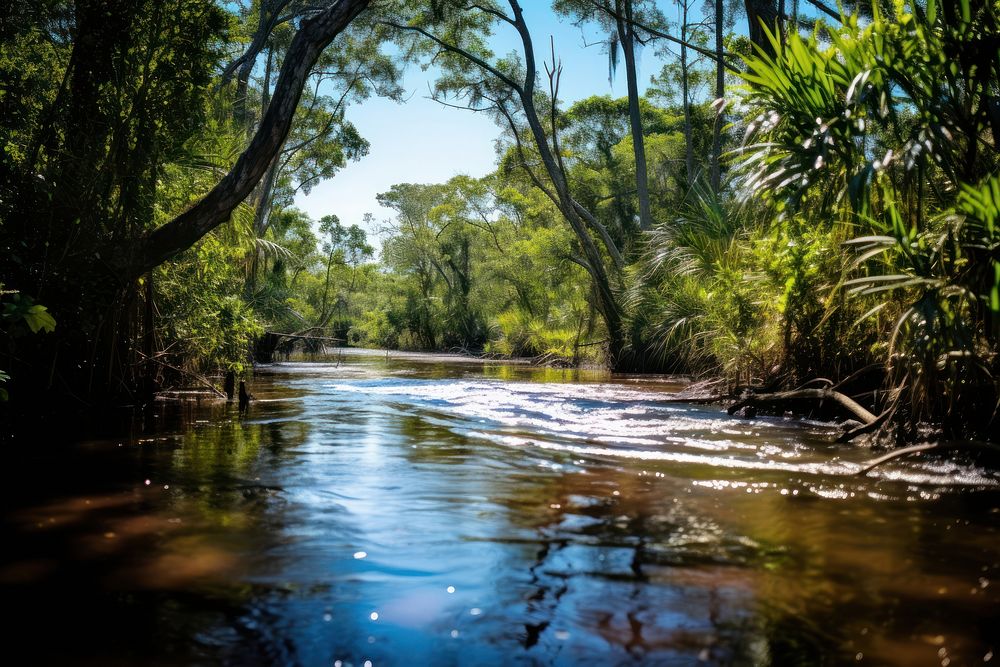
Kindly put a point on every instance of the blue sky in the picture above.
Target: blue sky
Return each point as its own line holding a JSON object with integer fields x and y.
{"x": 422, "y": 141}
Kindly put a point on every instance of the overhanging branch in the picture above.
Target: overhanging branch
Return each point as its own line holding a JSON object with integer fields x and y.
{"x": 185, "y": 230}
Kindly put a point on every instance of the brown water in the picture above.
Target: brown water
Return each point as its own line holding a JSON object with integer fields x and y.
{"x": 429, "y": 510}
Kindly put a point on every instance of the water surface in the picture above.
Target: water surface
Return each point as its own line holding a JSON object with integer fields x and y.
{"x": 432, "y": 510}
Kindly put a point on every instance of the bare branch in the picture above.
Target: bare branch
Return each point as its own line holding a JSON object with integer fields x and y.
{"x": 602, "y": 231}
{"x": 832, "y": 13}
{"x": 267, "y": 23}
{"x": 783, "y": 397}
{"x": 490, "y": 11}
{"x": 927, "y": 447}
{"x": 667, "y": 36}
{"x": 451, "y": 48}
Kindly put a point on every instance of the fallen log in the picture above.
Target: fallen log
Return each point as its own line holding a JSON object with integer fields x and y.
{"x": 781, "y": 398}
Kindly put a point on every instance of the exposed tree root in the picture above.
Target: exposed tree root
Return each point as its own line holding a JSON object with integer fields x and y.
{"x": 782, "y": 398}
{"x": 805, "y": 385}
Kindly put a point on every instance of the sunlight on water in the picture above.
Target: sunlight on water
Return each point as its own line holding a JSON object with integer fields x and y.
{"x": 428, "y": 510}
{"x": 608, "y": 420}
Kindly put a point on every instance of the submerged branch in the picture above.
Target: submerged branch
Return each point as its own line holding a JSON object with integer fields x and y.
{"x": 926, "y": 447}
{"x": 781, "y": 398}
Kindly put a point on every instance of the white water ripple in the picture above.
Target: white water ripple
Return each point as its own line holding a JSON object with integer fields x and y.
{"x": 610, "y": 421}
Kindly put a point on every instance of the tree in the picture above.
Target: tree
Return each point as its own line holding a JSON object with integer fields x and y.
{"x": 625, "y": 21}
{"x": 507, "y": 88}
{"x": 81, "y": 180}
{"x": 763, "y": 16}
{"x": 321, "y": 140}
{"x": 720, "y": 93}
{"x": 310, "y": 40}
{"x": 906, "y": 149}
{"x": 342, "y": 245}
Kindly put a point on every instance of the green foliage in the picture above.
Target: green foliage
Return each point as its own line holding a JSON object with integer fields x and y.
{"x": 23, "y": 309}
{"x": 711, "y": 309}
{"x": 206, "y": 322}
{"x": 882, "y": 130}
{"x": 857, "y": 229}
{"x": 19, "y": 313}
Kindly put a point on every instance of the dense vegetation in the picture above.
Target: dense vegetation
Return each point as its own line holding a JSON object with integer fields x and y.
{"x": 800, "y": 197}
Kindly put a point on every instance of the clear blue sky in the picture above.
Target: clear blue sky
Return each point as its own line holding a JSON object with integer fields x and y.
{"x": 422, "y": 141}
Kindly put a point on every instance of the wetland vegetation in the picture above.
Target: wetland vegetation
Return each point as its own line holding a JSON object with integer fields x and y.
{"x": 792, "y": 204}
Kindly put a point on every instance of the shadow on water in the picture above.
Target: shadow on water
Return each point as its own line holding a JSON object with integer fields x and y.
{"x": 423, "y": 510}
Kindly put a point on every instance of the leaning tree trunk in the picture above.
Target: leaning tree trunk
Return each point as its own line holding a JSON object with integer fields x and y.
{"x": 607, "y": 302}
{"x": 93, "y": 358}
{"x": 580, "y": 220}
{"x": 626, "y": 37}
{"x": 215, "y": 208}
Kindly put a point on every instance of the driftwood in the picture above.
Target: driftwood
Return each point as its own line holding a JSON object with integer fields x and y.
{"x": 695, "y": 400}
{"x": 782, "y": 398}
{"x": 926, "y": 447}
{"x": 871, "y": 426}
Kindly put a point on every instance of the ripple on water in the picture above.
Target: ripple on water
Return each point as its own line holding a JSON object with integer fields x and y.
{"x": 385, "y": 515}
{"x": 612, "y": 422}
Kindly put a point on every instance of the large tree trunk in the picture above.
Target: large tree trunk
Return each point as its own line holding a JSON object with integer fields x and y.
{"x": 720, "y": 92}
{"x": 686, "y": 97}
{"x": 626, "y": 36}
{"x": 762, "y": 13}
{"x": 215, "y": 208}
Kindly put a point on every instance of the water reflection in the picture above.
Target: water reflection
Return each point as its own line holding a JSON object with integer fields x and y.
{"x": 428, "y": 511}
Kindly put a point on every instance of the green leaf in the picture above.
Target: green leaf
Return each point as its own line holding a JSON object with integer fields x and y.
{"x": 995, "y": 291}
{"x": 38, "y": 319}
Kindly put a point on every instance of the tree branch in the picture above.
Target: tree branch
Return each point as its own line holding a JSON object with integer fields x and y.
{"x": 215, "y": 208}
{"x": 264, "y": 29}
{"x": 663, "y": 35}
{"x": 825, "y": 9}
{"x": 927, "y": 447}
{"x": 602, "y": 231}
{"x": 490, "y": 11}
{"x": 457, "y": 50}
{"x": 782, "y": 397}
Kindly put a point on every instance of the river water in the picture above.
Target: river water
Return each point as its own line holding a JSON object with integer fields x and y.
{"x": 412, "y": 510}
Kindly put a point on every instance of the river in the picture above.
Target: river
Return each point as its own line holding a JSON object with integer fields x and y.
{"x": 431, "y": 510}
